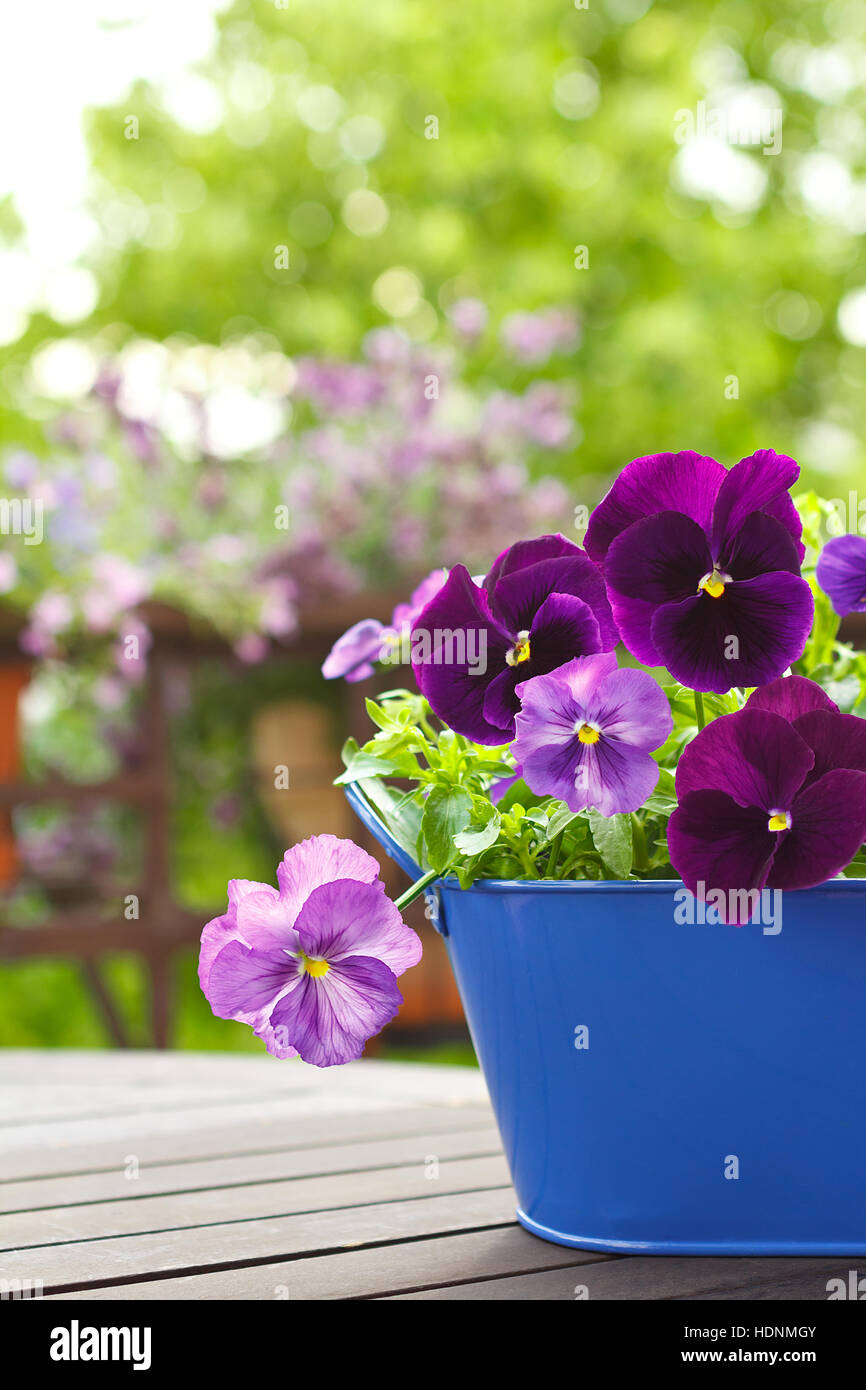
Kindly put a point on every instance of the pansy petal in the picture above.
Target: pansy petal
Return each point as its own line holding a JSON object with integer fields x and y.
{"x": 264, "y": 920}
{"x": 456, "y": 689}
{"x": 581, "y": 675}
{"x": 519, "y": 594}
{"x": 748, "y": 636}
{"x": 546, "y": 744}
{"x": 245, "y": 982}
{"x": 524, "y": 553}
{"x": 346, "y": 918}
{"x": 841, "y": 573}
{"x": 500, "y": 702}
{"x": 659, "y": 560}
{"x": 829, "y": 826}
{"x": 329, "y": 1019}
{"x": 630, "y": 707}
{"x": 759, "y": 483}
{"x": 613, "y": 777}
{"x": 715, "y": 845}
{"x": 760, "y": 545}
{"x": 563, "y": 628}
{"x": 318, "y": 860}
{"x": 837, "y": 740}
{"x": 790, "y": 696}
{"x": 755, "y": 758}
{"x": 215, "y": 936}
{"x": 355, "y": 650}
{"x": 684, "y": 482}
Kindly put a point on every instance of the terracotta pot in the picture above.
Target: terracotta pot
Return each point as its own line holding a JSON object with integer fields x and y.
{"x": 13, "y": 679}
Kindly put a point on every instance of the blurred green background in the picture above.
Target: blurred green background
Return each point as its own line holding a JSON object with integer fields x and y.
{"x": 687, "y": 180}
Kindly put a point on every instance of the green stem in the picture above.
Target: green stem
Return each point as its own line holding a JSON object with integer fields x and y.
{"x": 555, "y": 847}
{"x": 417, "y": 889}
{"x": 699, "y": 710}
{"x": 641, "y": 861}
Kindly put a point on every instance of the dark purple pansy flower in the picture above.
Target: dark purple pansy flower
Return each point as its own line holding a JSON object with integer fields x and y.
{"x": 702, "y": 566}
{"x": 542, "y": 604}
{"x": 773, "y": 796}
{"x": 312, "y": 966}
{"x": 585, "y": 734}
{"x": 841, "y": 573}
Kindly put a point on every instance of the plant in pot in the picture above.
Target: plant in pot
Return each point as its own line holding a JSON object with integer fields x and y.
{"x": 632, "y": 784}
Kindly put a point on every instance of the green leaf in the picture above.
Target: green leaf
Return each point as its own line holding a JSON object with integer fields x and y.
{"x": 561, "y": 820}
{"x": 447, "y": 811}
{"x": 478, "y": 838}
{"x": 366, "y": 765}
{"x": 398, "y": 812}
{"x": 612, "y": 836}
{"x": 380, "y": 717}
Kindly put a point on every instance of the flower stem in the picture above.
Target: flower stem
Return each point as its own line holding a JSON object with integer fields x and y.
{"x": 416, "y": 889}
{"x": 699, "y": 710}
{"x": 555, "y": 847}
{"x": 641, "y": 861}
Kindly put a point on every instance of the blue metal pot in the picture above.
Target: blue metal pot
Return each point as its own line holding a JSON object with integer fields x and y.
{"x": 662, "y": 1086}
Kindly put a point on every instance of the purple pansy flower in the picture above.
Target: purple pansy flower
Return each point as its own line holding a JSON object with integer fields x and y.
{"x": 353, "y": 655}
{"x": 841, "y": 573}
{"x": 542, "y": 604}
{"x": 702, "y": 566}
{"x": 312, "y": 966}
{"x": 773, "y": 796}
{"x": 584, "y": 734}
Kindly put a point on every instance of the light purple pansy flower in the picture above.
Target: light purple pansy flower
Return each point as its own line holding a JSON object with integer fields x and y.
{"x": 542, "y": 604}
{"x": 355, "y": 653}
{"x": 702, "y": 566}
{"x": 585, "y": 734}
{"x": 841, "y": 573}
{"x": 311, "y": 966}
{"x": 773, "y": 796}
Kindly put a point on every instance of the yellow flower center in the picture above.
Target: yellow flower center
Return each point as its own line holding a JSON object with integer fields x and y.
{"x": 520, "y": 651}
{"x": 313, "y": 966}
{"x": 779, "y": 820}
{"x": 587, "y": 734}
{"x": 714, "y": 583}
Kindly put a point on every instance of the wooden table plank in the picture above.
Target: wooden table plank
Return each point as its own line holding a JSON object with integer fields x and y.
{"x": 245, "y": 1242}
{"x": 332, "y": 1192}
{"x": 307, "y": 1128}
{"x": 248, "y": 1168}
{"x": 648, "y": 1278}
{"x": 374, "y": 1271}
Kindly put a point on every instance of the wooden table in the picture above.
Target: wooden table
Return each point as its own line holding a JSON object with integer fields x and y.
{"x": 149, "y": 1175}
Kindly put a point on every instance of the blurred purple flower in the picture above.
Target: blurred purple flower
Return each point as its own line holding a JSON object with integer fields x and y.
{"x": 534, "y": 338}
{"x": 469, "y": 317}
{"x": 841, "y": 573}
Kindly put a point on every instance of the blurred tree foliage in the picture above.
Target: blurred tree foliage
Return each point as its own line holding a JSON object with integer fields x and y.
{"x": 556, "y": 129}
